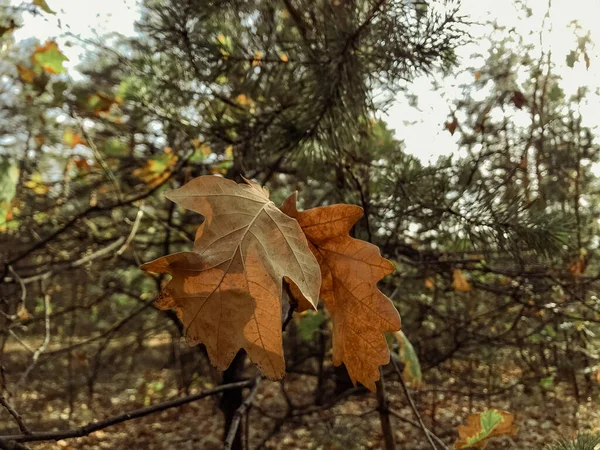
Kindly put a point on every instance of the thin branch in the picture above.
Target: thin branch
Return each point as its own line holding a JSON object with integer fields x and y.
{"x": 399, "y": 416}
{"x": 70, "y": 265}
{"x": 134, "y": 230}
{"x": 135, "y": 414}
{"x": 4, "y": 402}
{"x": 237, "y": 418}
{"x": 11, "y": 445}
{"x": 412, "y": 405}
{"x": 109, "y": 173}
{"x": 42, "y": 348}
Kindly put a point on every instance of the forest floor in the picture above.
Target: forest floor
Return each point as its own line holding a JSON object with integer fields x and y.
{"x": 47, "y": 400}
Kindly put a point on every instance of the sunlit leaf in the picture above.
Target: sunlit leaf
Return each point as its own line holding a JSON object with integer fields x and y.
{"x": 257, "y": 58}
{"x": 37, "y": 185}
{"x": 157, "y": 169}
{"x": 73, "y": 139}
{"x": 49, "y": 57}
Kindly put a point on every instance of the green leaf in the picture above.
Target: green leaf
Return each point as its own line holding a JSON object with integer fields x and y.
{"x": 571, "y": 58}
{"x": 547, "y": 382}
{"x": 407, "y": 354}
{"x": 309, "y": 324}
{"x": 9, "y": 174}
{"x": 49, "y": 57}
{"x": 556, "y": 93}
{"x": 43, "y": 5}
{"x": 482, "y": 426}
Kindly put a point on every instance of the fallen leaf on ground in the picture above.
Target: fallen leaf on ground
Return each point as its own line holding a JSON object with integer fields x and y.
{"x": 481, "y": 427}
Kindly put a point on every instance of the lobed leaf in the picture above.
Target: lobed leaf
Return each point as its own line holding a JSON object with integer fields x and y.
{"x": 227, "y": 291}
{"x": 350, "y": 269}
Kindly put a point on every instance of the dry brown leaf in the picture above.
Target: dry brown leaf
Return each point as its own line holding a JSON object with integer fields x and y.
{"x": 451, "y": 126}
{"x": 350, "y": 269}
{"x": 227, "y": 292}
{"x": 460, "y": 282}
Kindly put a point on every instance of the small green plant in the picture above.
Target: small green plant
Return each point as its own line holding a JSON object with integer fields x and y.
{"x": 584, "y": 441}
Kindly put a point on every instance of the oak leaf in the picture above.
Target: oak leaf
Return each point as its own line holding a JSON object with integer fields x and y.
{"x": 482, "y": 426}
{"x": 350, "y": 269}
{"x": 227, "y": 291}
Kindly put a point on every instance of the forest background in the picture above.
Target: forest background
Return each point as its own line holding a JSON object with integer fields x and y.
{"x": 467, "y": 132}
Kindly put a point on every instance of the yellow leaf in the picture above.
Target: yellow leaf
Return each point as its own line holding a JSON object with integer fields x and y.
{"x": 73, "y": 139}
{"x": 243, "y": 100}
{"x": 26, "y": 74}
{"x": 284, "y": 57}
{"x": 49, "y": 57}
{"x": 429, "y": 282}
{"x": 229, "y": 152}
{"x": 257, "y": 58}
{"x": 37, "y": 185}
{"x": 459, "y": 282}
{"x": 43, "y": 5}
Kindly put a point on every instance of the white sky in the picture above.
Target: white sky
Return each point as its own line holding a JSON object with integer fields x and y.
{"x": 422, "y": 130}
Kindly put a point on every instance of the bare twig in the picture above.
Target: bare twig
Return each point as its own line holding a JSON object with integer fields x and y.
{"x": 134, "y": 230}
{"x": 4, "y": 402}
{"x": 70, "y": 265}
{"x": 42, "y": 348}
{"x": 399, "y": 416}
{"x": 135, "y": 414}
{"x": 231, "y": 434}
{"x": 109, "y": 173}
{"x": 412, "y": 405}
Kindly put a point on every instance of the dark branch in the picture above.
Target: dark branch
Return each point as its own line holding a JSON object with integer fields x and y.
{"x": 135, "y": 414}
